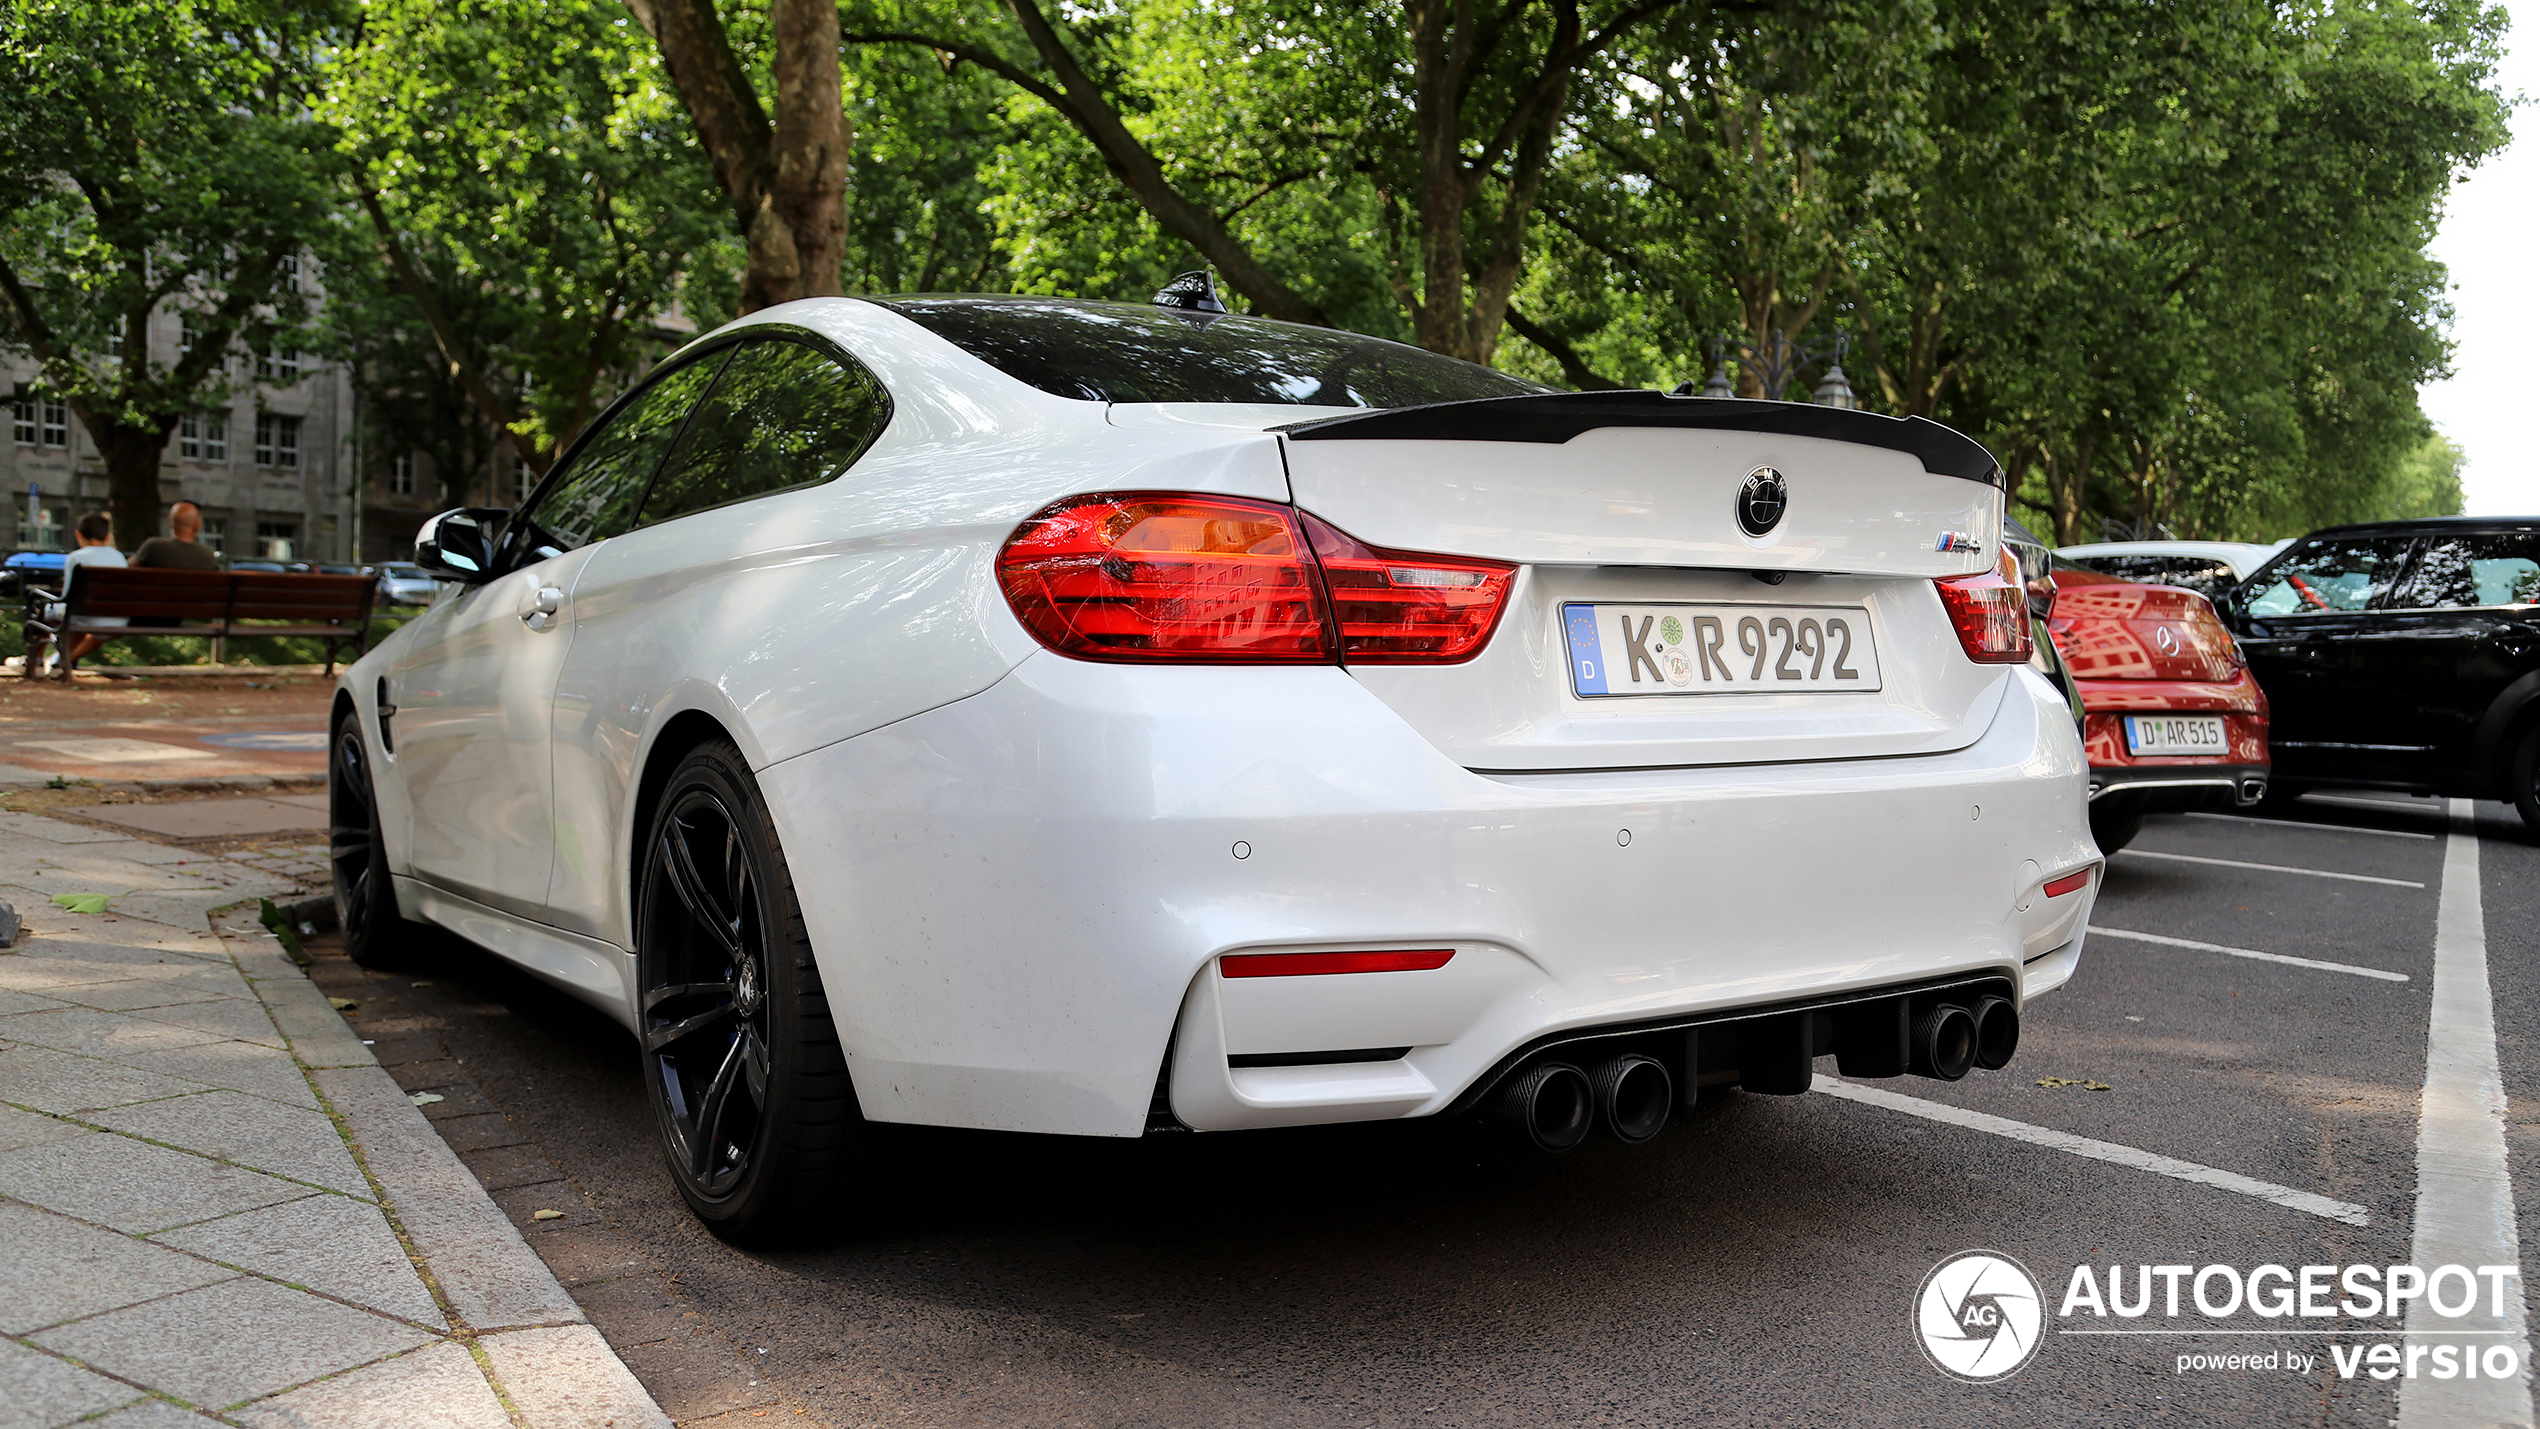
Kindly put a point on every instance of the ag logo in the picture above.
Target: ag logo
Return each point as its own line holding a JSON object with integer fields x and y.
{"x": 1761, "y": 502}
{"x": 1979, "y": 1316}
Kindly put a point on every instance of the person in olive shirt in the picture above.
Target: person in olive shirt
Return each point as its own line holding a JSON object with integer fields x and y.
{"x": 179, "y": 550}
{"x": 182, "y": 548}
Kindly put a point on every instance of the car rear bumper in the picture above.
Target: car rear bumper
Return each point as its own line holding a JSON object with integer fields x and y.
{"x": 1018, "y": 900}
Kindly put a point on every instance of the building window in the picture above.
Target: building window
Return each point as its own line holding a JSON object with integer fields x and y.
{"x": 275, "y": 539}
{"x": 288, "y": 278}
{"x": 282, "y": 367}
{"x": 22, "y": 419}
{"x": 524, "y": 481}
{"x": 203, "y": 436}
{"x": 54, "y": 421}
{"x": 401, "y": 474}
{"x": 277, "y": 440}
{"x": 216, "y": 534}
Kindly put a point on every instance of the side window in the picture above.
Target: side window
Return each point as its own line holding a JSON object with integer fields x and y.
{"x": 782, "y": 415}
{"x": 2467, "y": 571}
{"x": 2323, "y": 577}
{"x": 595, "y": 497}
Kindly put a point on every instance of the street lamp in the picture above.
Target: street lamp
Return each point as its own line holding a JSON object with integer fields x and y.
{"x": 1775, "y": 363}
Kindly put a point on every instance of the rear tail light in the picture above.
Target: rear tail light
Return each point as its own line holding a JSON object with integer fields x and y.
{"x": 1218, "y": 579}
{"x": 1990, "y": 612}
{"x": 1167, "y": 578}
{"x": 1398, "y": 609}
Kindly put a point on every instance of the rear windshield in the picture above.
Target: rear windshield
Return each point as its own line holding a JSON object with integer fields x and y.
{"x": 1121, "y": 352}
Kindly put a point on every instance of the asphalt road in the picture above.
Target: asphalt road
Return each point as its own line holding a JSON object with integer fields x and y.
{"x": 1756, "y": 1264}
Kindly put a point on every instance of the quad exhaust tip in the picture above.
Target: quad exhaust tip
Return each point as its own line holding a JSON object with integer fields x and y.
{"x": 1997, "y": 1032}
{"x": 1553, "y": 1104}
{"x": 1634, "y": 1097}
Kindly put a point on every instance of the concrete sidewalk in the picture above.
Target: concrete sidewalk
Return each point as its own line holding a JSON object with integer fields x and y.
{"x": 216, "y": 1208}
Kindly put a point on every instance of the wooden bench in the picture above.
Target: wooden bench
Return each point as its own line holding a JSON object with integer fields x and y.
{"x": 335, "y": 609}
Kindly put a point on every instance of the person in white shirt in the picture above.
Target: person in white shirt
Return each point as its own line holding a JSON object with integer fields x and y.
{"x": 96, "y": 548}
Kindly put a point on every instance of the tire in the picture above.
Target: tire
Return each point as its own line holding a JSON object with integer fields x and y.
{"x": 2524, "y": 774}
{"x": 749, "y": 1087}
{"x": 376, "y": 935}
{"x": 2114, "y": 821}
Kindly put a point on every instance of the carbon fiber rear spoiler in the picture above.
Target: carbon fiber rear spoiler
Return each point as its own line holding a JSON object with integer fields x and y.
{"x": 1556, "y": 417}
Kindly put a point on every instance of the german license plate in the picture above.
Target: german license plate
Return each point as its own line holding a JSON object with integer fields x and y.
{"x": 1719, "y": 649}
{"x": 2175, "y": 734}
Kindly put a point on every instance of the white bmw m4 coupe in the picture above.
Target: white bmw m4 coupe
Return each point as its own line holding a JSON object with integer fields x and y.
{"x": 1099, "y": 719}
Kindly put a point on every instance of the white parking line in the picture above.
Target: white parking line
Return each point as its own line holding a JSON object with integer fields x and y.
{"x": 2405, "y": 806}
{"x": 2307, "y": 1201}
{"x": 2465, "y": 1200}
{"x": 2323, "y": 828}
{"x": 2285, "y": 958}
{"x": 2269, "y": 867}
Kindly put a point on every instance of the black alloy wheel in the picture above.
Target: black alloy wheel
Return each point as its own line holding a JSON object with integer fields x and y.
{"x": 2524, "y": 775}
{"x": 2114, "y": 821}
{"x": 375, "y": 934}
{"x": 741, "y": 1063}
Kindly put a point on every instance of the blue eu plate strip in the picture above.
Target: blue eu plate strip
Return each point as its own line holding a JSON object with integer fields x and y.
{"x": 1587, "y": 652}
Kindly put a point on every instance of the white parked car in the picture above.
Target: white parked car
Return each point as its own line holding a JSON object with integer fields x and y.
{"x": 1093, "y": 718}
{"x": 2208, "y": 568}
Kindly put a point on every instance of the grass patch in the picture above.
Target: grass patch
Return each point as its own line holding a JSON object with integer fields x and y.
{"x": 175, "y": 649}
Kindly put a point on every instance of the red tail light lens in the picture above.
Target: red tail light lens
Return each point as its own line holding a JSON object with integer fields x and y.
{"x": 1167, "y": 578}
{"x": 2069, "y": 883}
{"x": 1198, "y": 579}
{"x": 1395, "y": 608}
{"x": 1990, "y": 611}
{"x": 1325, "y": 964}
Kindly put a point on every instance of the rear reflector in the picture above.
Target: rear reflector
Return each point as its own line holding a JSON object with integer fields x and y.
{"x": 1186, "y": 579}
{"x": 2070, "y": 882}
{"x": 1318, "y": 964}
{"x": 1399, "y": 609}
{"x": 1990, "y": 612}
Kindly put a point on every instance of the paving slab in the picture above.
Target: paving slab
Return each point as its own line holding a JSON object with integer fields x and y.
{"x": 115, "y": 750}
{"x": 133, "y": 1186}
{"x": 568, "y": 1376}
{"x": 25, "y": 1128}
{"x": 36, "y": 826}
{"x": 97, "y": 1034}
{"x": 134, "y": 994}
{"x": 253, "y": 1131}
{"x": 61, "y": 1269}
{"x": 436, "y": 1387}
{"x": 250, "y": 1067}
{"x": 218, "y": 818}
{"x": 240, "y": 1020}
{"x": 15, "y": 1002}
{"x": 488, "y": 1273}
{"x": 62, "y": 1083}
{"x": 152, "y": 1414}
{"x": 38, "y": 1391}
{"x": 192, "y": 1346}
{"x": 328, "y": 1244}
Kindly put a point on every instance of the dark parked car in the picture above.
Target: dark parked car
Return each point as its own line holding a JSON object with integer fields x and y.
{"x": 2403, "y": 655}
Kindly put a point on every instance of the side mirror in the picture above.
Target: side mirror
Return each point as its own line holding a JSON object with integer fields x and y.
{"x": 459, "y": 545}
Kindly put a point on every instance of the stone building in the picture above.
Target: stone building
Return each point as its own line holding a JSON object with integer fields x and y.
{"x": 272, "y": 469}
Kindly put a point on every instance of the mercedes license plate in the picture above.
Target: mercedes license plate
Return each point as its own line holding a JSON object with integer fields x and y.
{"x": 1719, "y": 649}
{"x": 2175, "y": 734}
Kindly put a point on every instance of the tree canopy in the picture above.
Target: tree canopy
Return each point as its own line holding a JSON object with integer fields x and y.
{"x": 2166, "y": 257}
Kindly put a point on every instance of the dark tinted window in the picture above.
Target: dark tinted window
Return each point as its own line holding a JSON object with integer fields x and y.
{"x": 2328, "y": 575}
{"x": 596, "y": 495}
{"x": 2201, "y": 574}
{"x": 782, "y": 415}
{"x": 1120, "y": 352}
{"x": 2468, "y": 571}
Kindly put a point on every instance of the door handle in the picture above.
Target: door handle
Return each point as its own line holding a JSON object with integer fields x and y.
{"x": 543, "y": 605}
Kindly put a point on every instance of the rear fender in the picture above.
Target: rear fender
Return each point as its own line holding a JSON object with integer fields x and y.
{"x": 2510, "y": 714}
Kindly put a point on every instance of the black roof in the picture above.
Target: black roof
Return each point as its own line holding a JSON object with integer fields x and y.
{"x": 2431, "y": 523}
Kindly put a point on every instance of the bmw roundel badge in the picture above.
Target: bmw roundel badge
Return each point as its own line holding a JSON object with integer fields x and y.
{"x": 1761, "y": 502}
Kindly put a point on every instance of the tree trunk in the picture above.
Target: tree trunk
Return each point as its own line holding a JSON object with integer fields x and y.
{"x": 786, "y": 180}
{"x": 132, "y": 475}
